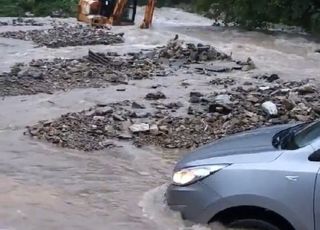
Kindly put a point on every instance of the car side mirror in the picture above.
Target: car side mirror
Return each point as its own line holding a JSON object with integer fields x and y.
{"x": 315, "y": 156}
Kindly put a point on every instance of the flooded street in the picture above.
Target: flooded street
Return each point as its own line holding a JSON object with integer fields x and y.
{"x": 45, "y": 187}
{"x": 42, "y": 187}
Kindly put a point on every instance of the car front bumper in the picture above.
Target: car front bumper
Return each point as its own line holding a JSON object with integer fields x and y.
{"x": 191, "y": 201}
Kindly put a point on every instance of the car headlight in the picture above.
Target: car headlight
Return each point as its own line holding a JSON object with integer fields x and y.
{"x": 190, "y": 175}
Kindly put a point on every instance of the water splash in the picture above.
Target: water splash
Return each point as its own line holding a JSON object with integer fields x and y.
{"x": 154, "y": 207}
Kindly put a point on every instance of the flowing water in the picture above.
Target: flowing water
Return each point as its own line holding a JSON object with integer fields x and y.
{"x": 44, "y": 187}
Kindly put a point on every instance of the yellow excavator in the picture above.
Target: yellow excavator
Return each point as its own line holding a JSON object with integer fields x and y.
{"x": 113, "y": 12}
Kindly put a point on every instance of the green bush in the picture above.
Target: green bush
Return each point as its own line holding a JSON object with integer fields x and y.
{"x": 256, "y": 13}
{"x": 315, "y": 22}
{"x": 38, "y": 7}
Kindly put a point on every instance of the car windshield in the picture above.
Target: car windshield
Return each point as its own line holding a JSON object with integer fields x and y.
{"x": 307, "y": 135}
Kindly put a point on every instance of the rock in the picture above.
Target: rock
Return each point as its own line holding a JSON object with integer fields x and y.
{"x": 107, "y": 144}
{"x": 223, "y": 99}
{"x": 121, "y": 89}
{"x": 160, "y": 107}
{"x": 155, "y": 86}
{"x": 98, "y": 118}
{"x": 247, "y": 83}
{"x": 196, "y": 94}
{"x": 154, "y": 129}
{"x": 125, "y": 136}
{"x": 301, "y": 108}
{"x": 306, "y": 89}
{"x": 140, "y": 114}
{"x": 102, "y": 104}
{"x": 270, "y": 108}
{"x": 273, "y": 77}
{"x": 117, "y": 117}
{"x": 316, "y": 109}
{"x": 155, "y": 96}
{"x": 195, "y": 99}
{"x": 137, "y": 128}
{"x": 219, "y": 108}
{"x": 102, "y": 111}
{"x": 252, "y": 99}
{"x": 264, "y": 88}
{"x": 136, "y": 105}
{"x": 163, "y": 128}
{"x": 288, "y": 105}
{"x": 190, "y": 110}
{"x": 270, "y": 78}
{"x": 285, "y": 90}
{"x": 248, "y": 65}
{"x": 302, "y": 118}
{"x": 174, "y": 105}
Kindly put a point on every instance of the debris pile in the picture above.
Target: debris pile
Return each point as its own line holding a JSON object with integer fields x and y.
{"x": 66, "y": 35}
{"x": 177, "y": 49}
{"x": 94, "y": 70}
{"x": 202, "y": 57}
{"x": 243, "y": 108}
{"x": 209, "y": 117}
{"x": 44, "y": 76}
{"x": 87, "y": 130}
{"x": 21, "y": 22}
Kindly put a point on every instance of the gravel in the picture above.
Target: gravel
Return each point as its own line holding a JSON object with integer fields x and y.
{"x": 100, "y": 70}
{"x": 47, "y": 76}
{"x": 66, "y": 35}
{"x": 89, "y": 130}
{"x": 21, "y": 22}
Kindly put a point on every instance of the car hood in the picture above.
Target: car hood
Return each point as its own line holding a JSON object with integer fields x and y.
{"x": 246, "y": 147}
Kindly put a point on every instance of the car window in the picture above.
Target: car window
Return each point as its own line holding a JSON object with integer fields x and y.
{"x": 307, "y": 135}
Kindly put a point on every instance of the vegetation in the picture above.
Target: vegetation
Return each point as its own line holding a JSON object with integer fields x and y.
{"x": 37, "y": 7}
{"x": 256, "y": 13}
{"x": 248, "y": 13}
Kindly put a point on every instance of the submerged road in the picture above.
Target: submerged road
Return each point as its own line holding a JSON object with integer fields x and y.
{"x": 44, "y": 187}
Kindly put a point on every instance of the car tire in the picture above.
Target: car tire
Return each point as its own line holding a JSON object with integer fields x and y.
{"x": 252, "y": 224}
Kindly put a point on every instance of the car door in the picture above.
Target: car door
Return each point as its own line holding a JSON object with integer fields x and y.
{"x": 316, "y": 158}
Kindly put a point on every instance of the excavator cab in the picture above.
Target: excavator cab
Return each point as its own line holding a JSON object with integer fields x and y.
{"x": 128, "y": 8}
{"x": 112, "y": 12}
{"x": 129, "y": 13}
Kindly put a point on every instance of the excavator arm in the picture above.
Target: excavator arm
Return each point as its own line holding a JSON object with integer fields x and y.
{"x": 148, "y": 14}
{"x": 118, "y": 11}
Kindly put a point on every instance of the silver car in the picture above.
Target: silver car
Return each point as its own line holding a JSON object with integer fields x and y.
{"x": 264, "y": 179}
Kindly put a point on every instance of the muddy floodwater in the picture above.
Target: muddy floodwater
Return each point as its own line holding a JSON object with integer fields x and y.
{"x": 45, "y": 187}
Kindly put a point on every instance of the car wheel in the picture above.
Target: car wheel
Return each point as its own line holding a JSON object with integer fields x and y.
{"x": 252, "y": 224}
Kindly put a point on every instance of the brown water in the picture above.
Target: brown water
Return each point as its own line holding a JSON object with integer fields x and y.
{"x": 44, "y": 187}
